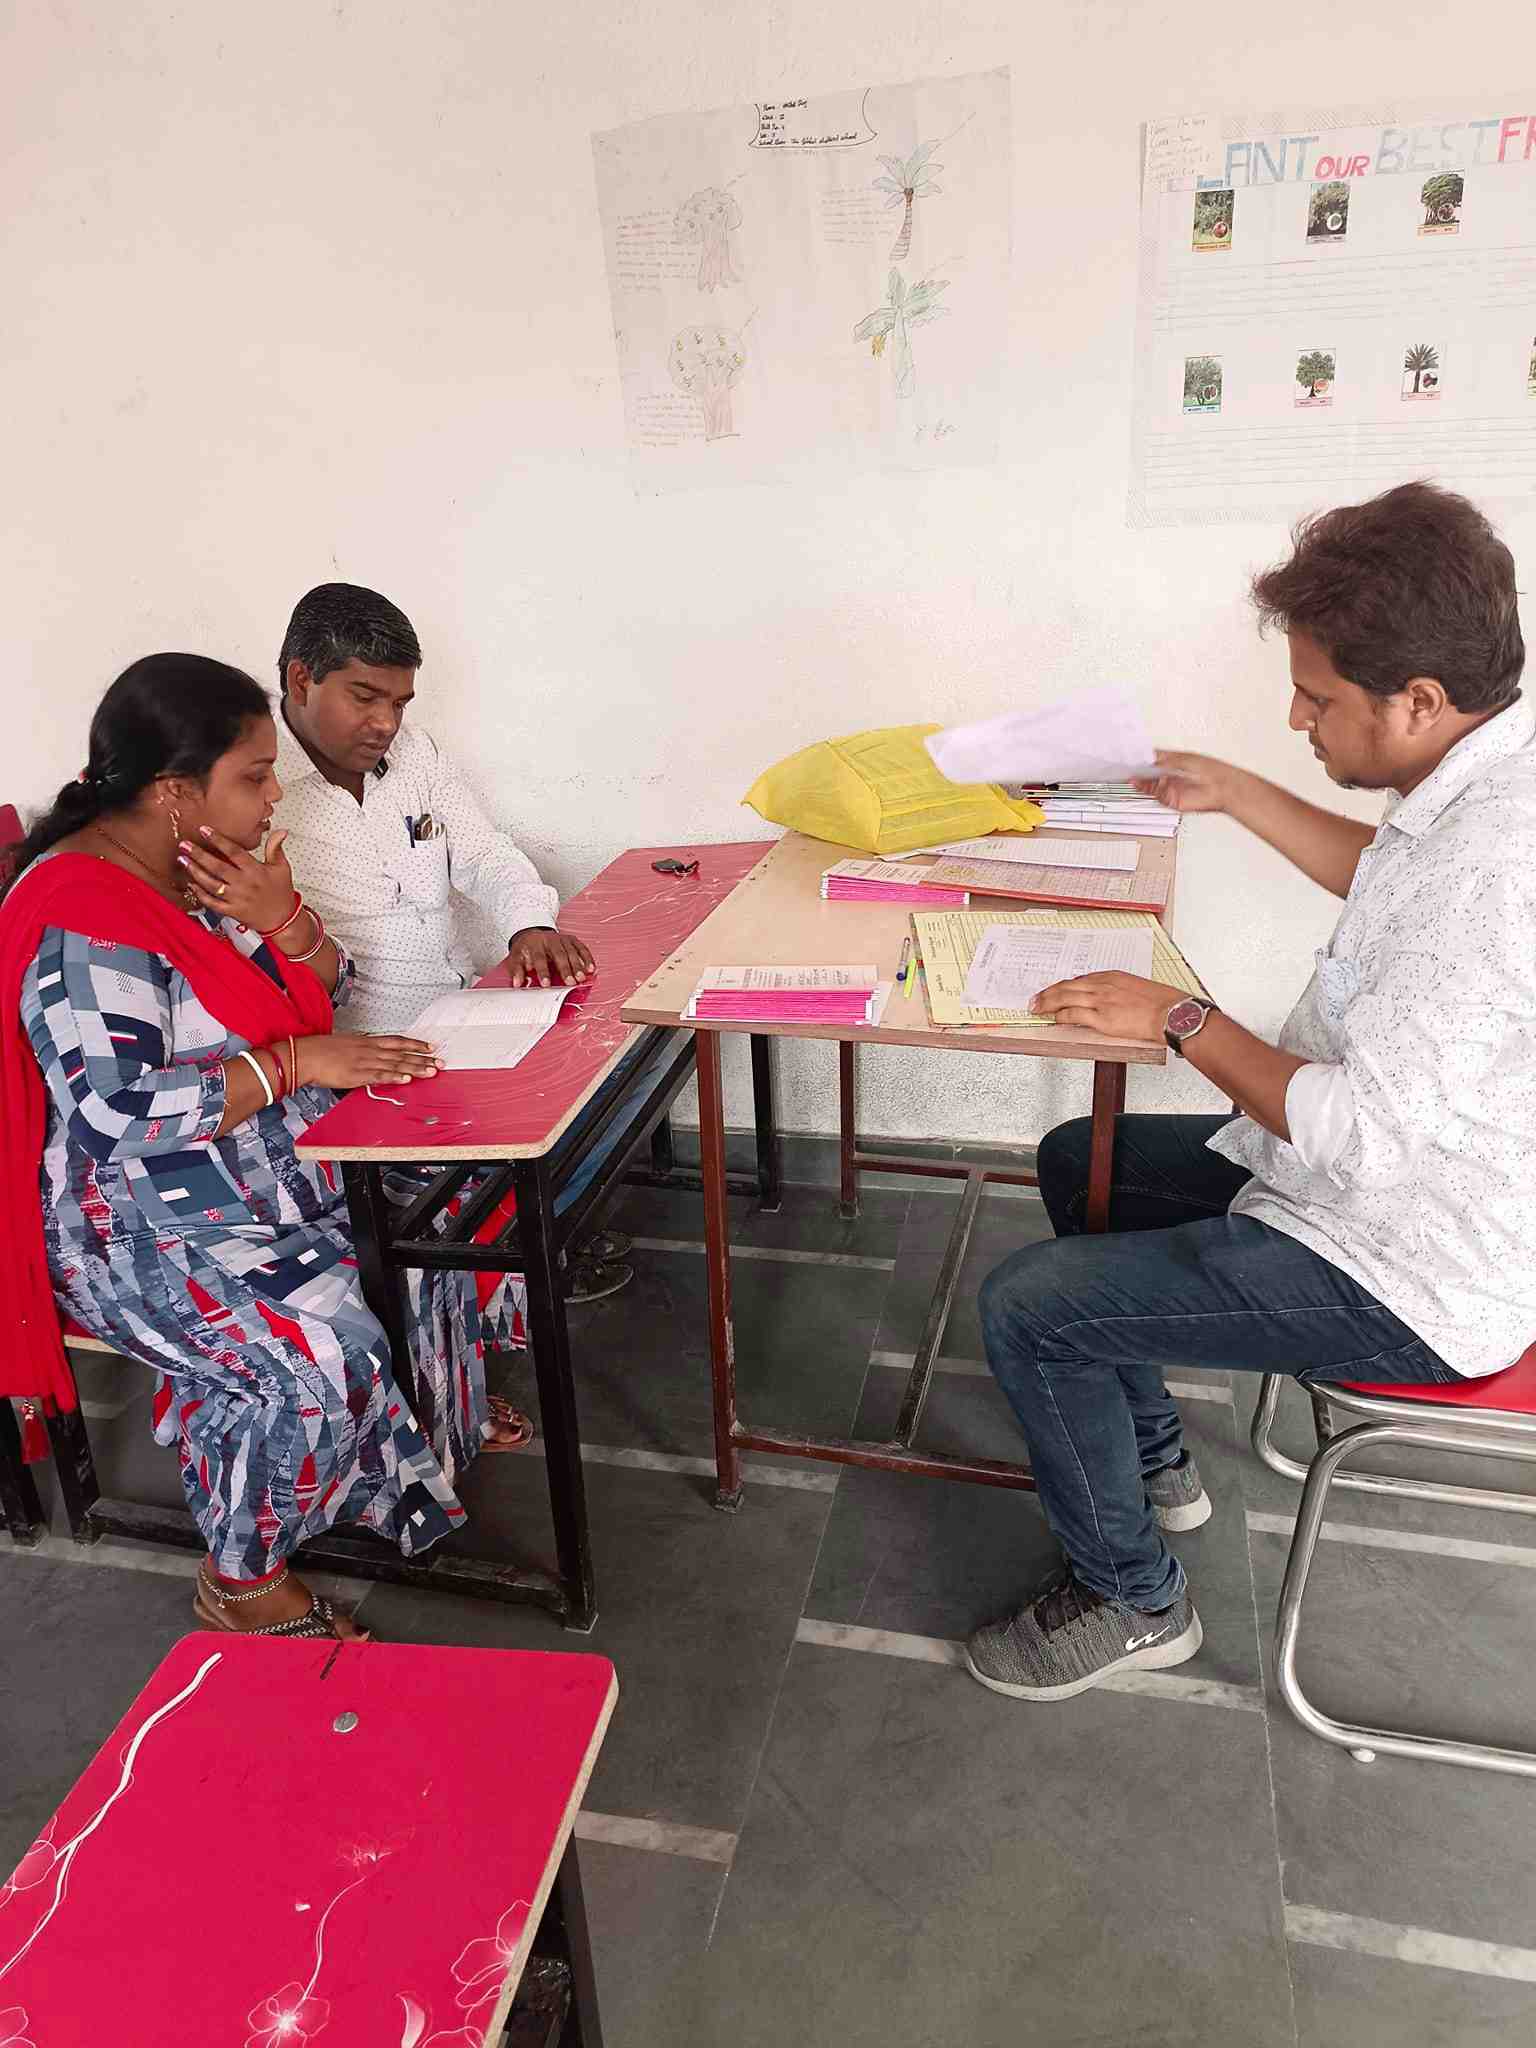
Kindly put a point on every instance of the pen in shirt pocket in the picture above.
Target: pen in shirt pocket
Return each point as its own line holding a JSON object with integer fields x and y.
{"x": 410, "y": 831}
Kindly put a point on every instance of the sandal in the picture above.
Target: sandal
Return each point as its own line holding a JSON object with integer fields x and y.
{"x": 504, "y": 1416}
{"x": 590, "y": 1280}
{"x": 604, "y": 1245}
{"x": 208, "y": 1603}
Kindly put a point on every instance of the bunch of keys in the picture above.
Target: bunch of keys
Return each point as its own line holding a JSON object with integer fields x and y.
{"x": 675, "y": 867}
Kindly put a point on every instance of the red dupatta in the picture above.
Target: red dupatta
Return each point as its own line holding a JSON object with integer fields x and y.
{"x": 77, "y": 893}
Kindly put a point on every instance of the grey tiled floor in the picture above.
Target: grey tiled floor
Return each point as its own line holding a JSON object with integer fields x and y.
{"x": 853, "y": 1843}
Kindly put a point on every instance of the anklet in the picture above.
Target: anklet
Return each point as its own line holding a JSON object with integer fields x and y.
{"x": 233, "y": 1599}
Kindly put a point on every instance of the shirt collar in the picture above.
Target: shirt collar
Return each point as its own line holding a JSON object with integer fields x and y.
{"x": 1507, "y": 734}
{"x": 293, "y": 764}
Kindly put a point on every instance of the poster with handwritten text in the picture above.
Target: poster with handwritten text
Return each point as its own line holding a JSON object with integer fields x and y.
{"x": 808, "y": 284}
{"x": 1332, "y": 303}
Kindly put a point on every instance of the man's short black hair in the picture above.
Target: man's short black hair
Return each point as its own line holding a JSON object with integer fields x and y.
{"x": 1412, "y": 583}
{"x": 340, "y": 622}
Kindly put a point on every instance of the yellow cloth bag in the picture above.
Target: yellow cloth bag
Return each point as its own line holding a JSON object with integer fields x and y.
{"x": 882, "y": 792}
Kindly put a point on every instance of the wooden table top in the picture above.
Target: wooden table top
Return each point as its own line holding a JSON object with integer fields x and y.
{"x": 632, "y": 918}
{"x": 392, "y": 1874}
{"x": 776, "y": 916}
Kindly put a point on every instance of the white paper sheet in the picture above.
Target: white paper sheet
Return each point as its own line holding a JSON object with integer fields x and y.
{"x": 1100, "y": 734}
{"x": 785, "y": 980}
{"x": 1014, "y": 962}
{"x": 490, "y": 1028}
{"x": 1039, "y": 853}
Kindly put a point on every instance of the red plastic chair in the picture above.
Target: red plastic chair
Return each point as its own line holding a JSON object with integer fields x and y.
{"x": 1490, "y": 1417}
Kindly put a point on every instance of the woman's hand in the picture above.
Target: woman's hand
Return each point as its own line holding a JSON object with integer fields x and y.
{"x": 545, "y": 957}
{"x": 1115, "y": 1005}
{"x": 224, "y": 877}
{"x": 348, "y": 1059}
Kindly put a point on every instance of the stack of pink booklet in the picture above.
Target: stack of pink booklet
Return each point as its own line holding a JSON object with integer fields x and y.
{"x": 887, "y": 881}
{"x": 782, "y": 995}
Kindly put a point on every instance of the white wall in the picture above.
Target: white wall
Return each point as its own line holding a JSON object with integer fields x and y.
{"x": 305, "y": 290}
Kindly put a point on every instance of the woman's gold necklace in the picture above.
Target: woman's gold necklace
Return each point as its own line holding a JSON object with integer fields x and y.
{"x": 139, "y": 861}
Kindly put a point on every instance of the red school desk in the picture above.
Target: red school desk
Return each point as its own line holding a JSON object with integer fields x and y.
{"x": 282, "y": 1842}
{"x": 521, "y": 1134}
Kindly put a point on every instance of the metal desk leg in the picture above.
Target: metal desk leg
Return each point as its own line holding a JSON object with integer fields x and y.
{"x": 19, "y": 1503}
{"x": 1108, "y": 1102}
{"x": 717, "y": 1261}
{"x": 76, "y": 1470}
{"x": 770, "y": 1192}
{"x": 563, "y": 1933}
{"x": 663, "y": 1157}
{"x": 550, "y": 1343}
{"x": 383, "y": 1282}
{"x": 847, "y": 1120}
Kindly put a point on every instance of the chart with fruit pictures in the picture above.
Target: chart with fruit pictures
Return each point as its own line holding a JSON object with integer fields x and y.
{"x": 1332, "y": 303}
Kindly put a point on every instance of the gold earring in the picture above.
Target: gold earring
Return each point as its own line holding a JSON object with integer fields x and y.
{"x": 175, "y": 825}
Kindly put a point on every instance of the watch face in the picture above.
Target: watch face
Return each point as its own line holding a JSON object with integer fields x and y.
{"x": 1185, "y": 1016}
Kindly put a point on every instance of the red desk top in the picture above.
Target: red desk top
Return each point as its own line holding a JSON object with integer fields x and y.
{"x": 232, "y": 1869}
{"x": 633, "y": 919}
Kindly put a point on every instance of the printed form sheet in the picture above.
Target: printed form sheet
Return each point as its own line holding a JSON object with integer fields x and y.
{"x": 808, "y": 284}
{"x": 947, "y": 941}
{"x": 1332, "y": 303}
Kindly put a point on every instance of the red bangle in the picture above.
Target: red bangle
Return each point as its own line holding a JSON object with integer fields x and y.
{"x": 278, "y": 929}
{"x": 282, "y": 1072}
{"x": 320, "y": 938}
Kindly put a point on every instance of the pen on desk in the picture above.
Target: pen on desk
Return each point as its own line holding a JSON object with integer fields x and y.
{"x": 902, "y": 965}
{"x": 915, "y": 970}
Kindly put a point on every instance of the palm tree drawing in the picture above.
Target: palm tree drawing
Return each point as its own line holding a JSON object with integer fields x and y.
{"x": 1418, "y": 359}
{"x": 906, "y": 179}
{"x": 903, "y": 310}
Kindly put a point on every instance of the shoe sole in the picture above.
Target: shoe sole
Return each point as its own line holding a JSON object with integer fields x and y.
{"x": 1156, "y": 1657}
{"x": 1192, "y": 1515}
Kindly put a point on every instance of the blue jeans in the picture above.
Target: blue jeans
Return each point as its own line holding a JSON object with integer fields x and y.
{"x": 1080, "y": 1331}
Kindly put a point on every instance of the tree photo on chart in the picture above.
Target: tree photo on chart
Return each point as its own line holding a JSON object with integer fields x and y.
{"x": 706, "y": 363}
{"x": 1202, "y": 383}
{"x": 1328, "y": 211}
{"x": 1441, "y": 200}
{"x": 1213, "y": 220}
{"x": 905, "y": 308}
{"x": 908, "y": 179}
{"x": 1315, "y": 374}
{"x": 1421, "y": 370}
{"x": 1530, "y": 372}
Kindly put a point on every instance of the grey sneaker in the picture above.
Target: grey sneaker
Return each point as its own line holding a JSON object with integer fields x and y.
{"x": 1178, "y": 1499}
{"x": 1070, "y": 1638}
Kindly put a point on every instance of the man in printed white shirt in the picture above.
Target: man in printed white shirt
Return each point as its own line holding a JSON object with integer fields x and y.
{"x": 383, "y": 832}
{"x": 1369, "y": 1215}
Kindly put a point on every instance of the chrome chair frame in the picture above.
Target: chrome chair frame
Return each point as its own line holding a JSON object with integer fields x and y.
{"x": 1432, "y": 1426}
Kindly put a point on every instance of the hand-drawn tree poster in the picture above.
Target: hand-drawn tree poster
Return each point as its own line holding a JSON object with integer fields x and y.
{"x": 806, "y": 284}
{"x": 1332, "y": 303}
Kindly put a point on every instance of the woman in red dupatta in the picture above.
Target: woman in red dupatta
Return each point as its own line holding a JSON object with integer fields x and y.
{"x": 165, "y": 1037}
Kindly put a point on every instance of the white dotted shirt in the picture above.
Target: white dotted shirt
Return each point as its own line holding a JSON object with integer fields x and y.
{"x": 1412, "y": 1162}
{"x": 385, "y": 893}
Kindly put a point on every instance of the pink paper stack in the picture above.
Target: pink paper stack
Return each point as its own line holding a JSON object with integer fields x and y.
{"x": 878, "y": 881}
{"x": 780, "y": 995}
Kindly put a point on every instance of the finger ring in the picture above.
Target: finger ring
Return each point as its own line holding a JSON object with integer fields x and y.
{"x": 222, "y": 889}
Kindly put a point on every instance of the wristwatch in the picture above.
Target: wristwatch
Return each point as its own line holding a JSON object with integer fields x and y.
{"x": 1185, "y": 1018}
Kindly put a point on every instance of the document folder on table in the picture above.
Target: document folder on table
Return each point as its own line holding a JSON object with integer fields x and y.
{"x": 947, "y": 942}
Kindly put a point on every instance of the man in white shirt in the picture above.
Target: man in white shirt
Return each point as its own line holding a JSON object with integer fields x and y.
{"x": 1368, "y": 1217}
{"x": 383, "y": 832}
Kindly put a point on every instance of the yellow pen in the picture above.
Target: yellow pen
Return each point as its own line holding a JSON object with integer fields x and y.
{"x": 913, "y": 965}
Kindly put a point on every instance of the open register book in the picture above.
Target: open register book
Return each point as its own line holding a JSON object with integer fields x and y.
{"x": 947, "y": 943}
